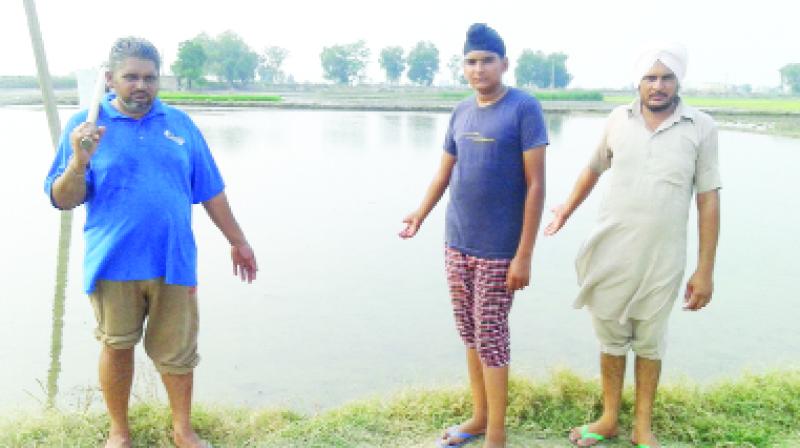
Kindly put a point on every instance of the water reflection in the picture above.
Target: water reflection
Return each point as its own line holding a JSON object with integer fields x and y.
{"x": 236, "y": 136}
{"x": 336, "y": 277}
{"x": 424, "y": 130}
{"x": 393, "y": 127}
{"x": 554, "y": 122}
{"x": 58, "y": 307}
{"x": 349, "y": 132}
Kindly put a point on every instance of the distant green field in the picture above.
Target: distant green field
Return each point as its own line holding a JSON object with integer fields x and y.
{"x": 215, "y": 97}
{"x": 541, "y": 95}
{"x": 568, "y": 95}
{"x": 772, "y": 105}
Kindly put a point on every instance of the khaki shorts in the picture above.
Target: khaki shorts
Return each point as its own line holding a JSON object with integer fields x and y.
{"x": 647, "y": 338}
{"x": 172, "y": 320}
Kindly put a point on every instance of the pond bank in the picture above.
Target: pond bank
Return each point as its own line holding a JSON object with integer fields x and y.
{"x": 751, "y": 411}
{"x": 774, "y": 121}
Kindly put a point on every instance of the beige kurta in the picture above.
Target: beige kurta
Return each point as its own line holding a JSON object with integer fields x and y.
{"x": 633, "y": 261}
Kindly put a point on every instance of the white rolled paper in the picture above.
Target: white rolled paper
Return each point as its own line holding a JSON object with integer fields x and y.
{"x": 97, "y": 96}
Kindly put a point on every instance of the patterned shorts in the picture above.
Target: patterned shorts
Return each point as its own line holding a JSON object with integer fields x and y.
{"x": 481, "y": 303}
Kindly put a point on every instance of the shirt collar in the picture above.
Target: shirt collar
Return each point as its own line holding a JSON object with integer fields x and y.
{"x": 682, "y": 112}
{"x": 156, "y": 109}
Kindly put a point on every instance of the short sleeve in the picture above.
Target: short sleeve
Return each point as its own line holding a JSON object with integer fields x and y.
{"x": 706, "y": 177}
{"x": 533, "y": 129}
{"x": 449, "y": 138}
{"x": 206, "y": 178}
{"x": 602, "y": 155}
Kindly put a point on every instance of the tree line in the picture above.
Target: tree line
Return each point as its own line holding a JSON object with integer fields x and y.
{"x": 231, "y": 60}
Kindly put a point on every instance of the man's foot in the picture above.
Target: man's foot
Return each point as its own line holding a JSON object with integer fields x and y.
{"x": 644, "y": 439}
{"x": 119, "y": 441}
{"x": 189, "y": 439}
{"x": 462, "y": 434}
{"x": 495, "y": 439}
{"x": 494, "y": 444}
{"x": 592, "y": 434}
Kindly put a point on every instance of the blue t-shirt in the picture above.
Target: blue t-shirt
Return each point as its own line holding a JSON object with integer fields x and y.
{"x": 487, "y": 185}
{"x": 140, "y": 187}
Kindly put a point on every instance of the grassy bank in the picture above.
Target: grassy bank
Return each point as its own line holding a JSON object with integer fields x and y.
{"x": 541, "y": 95}
{"x": 777, "y": 115}
{"x": 384, "y": 95}
{"x": 774, "y": 115}
{"x": 366, "y": 95}
{"x": 217, "y": 97}
{"x": 775, "y": 105}
{"x": 752, "y": 411}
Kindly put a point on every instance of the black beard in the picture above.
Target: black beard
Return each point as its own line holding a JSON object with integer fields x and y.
{"x": 663, "y": 107}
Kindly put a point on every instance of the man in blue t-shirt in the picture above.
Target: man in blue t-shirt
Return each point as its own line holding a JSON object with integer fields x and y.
{"x": 493, "y": 162}
{"x": 139, "y": 169}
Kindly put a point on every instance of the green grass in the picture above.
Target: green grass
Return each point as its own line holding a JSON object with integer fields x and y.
{"x": 217, "y": 97}
{"x": 771, "y": 105}
{"x": 382, "y": 93}
{"x": 567, "y": 95}
{"x": 752, "y": 411}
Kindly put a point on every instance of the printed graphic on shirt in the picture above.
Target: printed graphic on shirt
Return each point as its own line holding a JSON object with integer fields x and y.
{"x": 477, "y": 137}
{"x": 175, "y": 138}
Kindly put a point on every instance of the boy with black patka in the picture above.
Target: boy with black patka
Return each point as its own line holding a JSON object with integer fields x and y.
{"x": 493, "y": 162}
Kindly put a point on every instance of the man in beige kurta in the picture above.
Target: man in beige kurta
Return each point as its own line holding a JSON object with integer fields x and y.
{"x": 657, "y": 152}
{"x": 632, "y": 264}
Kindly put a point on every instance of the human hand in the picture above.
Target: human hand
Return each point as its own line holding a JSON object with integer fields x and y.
{"x": 698, "y": 291}
{"x": 244, "y": 262}
{"x": 84, "y": 140}
{"x": 519, "y": 274}
{"x": 413, "y": 222}
{"x": 559, "y": 219}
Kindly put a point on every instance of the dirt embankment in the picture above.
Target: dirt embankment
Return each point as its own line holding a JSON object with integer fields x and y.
{"x": 775, "y": 123}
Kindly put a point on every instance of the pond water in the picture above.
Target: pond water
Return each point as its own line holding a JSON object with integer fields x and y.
{"x": 343, "y": 309}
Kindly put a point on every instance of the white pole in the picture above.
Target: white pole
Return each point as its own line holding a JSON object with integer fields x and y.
{"x": 65, "y": 233}
{"x": 45, "y": 82}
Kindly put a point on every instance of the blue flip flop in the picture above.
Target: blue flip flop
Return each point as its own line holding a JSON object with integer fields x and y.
{"x": 454, "y": 432}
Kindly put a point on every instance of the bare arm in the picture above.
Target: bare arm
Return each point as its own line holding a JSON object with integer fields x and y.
{"x": 701, "y": 285}
{"x": 435, "y": 191}
{"x": 519, "y": 271}
{"x": 244, "y": 260}
{"x": 69, "y": 189}
{"x": 583, "y": 186}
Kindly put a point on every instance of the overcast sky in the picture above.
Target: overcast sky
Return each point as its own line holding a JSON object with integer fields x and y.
{"x": 744, "y": 43}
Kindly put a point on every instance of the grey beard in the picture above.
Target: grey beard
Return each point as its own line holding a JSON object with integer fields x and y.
{"x": 135, "y": 106}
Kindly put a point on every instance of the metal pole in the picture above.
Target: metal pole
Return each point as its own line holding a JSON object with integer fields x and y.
{"x": 48, "y": 98}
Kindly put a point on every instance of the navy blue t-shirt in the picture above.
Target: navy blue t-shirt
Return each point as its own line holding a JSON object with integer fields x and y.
{"x": 487, "y": 185}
